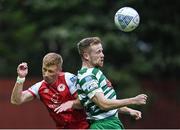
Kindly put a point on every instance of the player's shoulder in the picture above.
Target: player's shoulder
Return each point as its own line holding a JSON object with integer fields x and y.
{"x": 69, "y": 74}
{"x": 89, "y": 71}
{"x": 88, "y": 74}
{"x": 38, "y": 84}
{"x": 35, "y": 87}
{"x": 70, "y": 77}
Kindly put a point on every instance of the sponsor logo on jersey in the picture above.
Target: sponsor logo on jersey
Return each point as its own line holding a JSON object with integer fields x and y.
{"x": 55, "y": 98}
{"x": 53, "y": 106}
{"x": 61, "y": 87}
{"x": 46, "y": 90}
{"x": 73, "y": 79}
{"x": 92, "y": 85}
{"x": 88, "y": 78}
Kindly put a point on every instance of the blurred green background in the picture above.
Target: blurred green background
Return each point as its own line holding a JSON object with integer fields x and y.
{"x": 146, "y": 60}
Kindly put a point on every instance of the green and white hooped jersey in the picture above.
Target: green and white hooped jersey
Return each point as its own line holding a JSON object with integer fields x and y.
{"x": 90, "y": 81}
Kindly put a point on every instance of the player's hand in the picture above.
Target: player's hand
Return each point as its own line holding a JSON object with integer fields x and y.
{"x": 135, "y": 114}
{"x": 140, "y": 99}
{"x": 64, "y": 107}
{"x": 22, "y": 70}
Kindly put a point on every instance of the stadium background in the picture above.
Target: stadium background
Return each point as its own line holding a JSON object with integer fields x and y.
{"x": 146, "y": 60}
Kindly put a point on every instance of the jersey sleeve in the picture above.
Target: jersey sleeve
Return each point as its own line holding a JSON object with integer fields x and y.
{"x": 34, "y": 89}
{"x": 71, "y": 82}
{"x": 90, "y": 86}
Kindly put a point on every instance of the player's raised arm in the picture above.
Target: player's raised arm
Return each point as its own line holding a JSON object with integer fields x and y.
{"x": 19, "y": 96}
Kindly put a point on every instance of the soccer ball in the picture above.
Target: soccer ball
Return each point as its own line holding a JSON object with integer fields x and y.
{"x": 126, "y": 19}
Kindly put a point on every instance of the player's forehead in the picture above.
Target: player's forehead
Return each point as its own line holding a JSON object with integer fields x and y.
{"x": 96, "y": 47}
{"x": 49, "y": 67}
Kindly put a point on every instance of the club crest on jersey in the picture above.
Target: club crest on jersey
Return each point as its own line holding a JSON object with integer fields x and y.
{"x": 61, "y": 87}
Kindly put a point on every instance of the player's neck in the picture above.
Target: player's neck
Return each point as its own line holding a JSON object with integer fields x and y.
{"x": 87, "y": 65}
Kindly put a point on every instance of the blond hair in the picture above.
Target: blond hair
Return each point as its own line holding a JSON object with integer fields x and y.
{"x": 53, "y": 59}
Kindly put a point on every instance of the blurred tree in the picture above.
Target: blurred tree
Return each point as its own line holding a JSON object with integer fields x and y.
{"x": 31, "y": 28}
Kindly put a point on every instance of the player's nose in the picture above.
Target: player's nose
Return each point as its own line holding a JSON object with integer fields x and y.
{"x": 102, "y": 54}
{"x": 46, "y": 74}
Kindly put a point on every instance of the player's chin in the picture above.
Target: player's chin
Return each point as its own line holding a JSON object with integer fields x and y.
{"x": 47, "y": 80}
{"x": 101, "y": 64}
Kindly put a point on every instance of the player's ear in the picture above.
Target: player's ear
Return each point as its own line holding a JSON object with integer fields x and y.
{"x": 86, "y": 56}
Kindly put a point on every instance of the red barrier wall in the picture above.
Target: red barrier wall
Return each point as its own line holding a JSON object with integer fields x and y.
{"x": 162, "y": 108}
{"x": 28, "y": 115}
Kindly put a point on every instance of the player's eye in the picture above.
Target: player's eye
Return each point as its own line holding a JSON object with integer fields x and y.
{"x": 44, "y": 70}
{"x": 99, "y": 51}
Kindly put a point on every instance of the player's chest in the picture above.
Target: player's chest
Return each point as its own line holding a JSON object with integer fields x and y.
{"x": 54, "y": 94}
